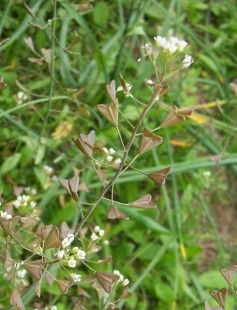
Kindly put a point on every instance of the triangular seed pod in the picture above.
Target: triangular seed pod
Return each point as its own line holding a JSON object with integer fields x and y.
{"x": 15, "y": 299}
{"x": 34, "y": 268}
{"x": 149, "y": 141}
{"x": 160, "y": 176}
{"x": 220, "y": 296}
{"x": 144, "y": 203}
{"x": 228, "y": 274}
{"x": 64, "y": 285}
{"x": 85, "y": 143}
{"x": 172, "y": 119}
{"x": 114, "y": 214}
{"x": 110, "y": 112}
{"x": 53, "y": 240}
{"x": 111, "y": 89}
{"x": 106, "y": 280}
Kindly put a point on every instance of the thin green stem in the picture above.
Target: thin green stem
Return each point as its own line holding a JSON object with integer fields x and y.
{"x": 52, "y": 68}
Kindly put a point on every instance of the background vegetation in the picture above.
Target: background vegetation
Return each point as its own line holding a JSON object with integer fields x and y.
{"x": 172, "y": 255}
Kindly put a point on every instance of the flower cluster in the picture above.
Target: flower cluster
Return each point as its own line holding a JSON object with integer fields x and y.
{"x": 170, "y": 45}
{"x": 24, "y": 201}
{"x": 5, "y": 215}
{"x": 121, "y": 279}
{"x": 97, "y": 234}
{"x": 21, "y": 97}
{"x": 109, "y": 156}
{"x": 71, "y": 257}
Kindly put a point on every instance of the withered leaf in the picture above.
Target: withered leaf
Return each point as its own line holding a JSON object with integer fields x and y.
{"x": 106, "y": 280}
{"x": 228, "y": 274}
{"x": 149, "y": 141}
{"x": 34, "y": 268}
{"x": 144, "y": 203}
{"x": 220, "y": 296}
{"x": 15, "y": 299}
{"x": 4, "y": 41}
{"x": 29, "y": 42}
{"x": 38, "y": 61}
{"x": 71, "y": 186}
{"x": 64, "y": 285}
{"x": 160, "y": 176}
{"x": 85, "y": 143}
{"x": 84, "y": 7}
{"x": 2, "y": 83}
{"x": 114, "y": 213}
{"x": 53, "y": 240}
{"x": 110, "y": 112}
{"x": 47, "y": 53}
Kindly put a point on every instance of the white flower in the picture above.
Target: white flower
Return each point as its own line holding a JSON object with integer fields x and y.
{"x": 125, "y": 282}
{"x": 160, "y": 41}
{"x": 106, "y": 242}
{"x": 60, "y": 254}
{"x": 101, "y": 232}
{"x": 97, "y": 228}
{"x": 5, "y": 215}
{"x": 182, "y": 44}
{"x": 121, "y": 277}
{"x": 32, "y": 204}
{"x": 111, "y": 151}
{"x": 72, "y": 262}
{"x": 206, "y": 174}
{"x": 21, "y": 201}
{"x": 76, "y": 277}
{"x": 94, "y": 237}
{"x": 109, "y": 158}
{"x": 48, "y": 169}
{"x": 21, "y": 97}
{"x": 188, "y": 60}
{"x": 81, "y": 254}
{"x": 53, "y": 308}
{"x": 67, "y": 241}
{"x": 170, "y": 45}
{"x": 148, "y": 49}
{"x": 21, "y": 273}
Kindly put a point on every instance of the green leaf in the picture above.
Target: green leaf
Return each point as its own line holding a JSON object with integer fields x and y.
{"x": 101, "y": 14}
{"x": 10, "y": 163}
{"x": 40, "y": 154}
